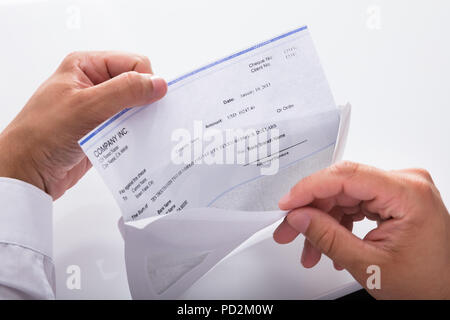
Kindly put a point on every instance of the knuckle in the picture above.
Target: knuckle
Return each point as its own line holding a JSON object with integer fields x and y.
{"x": 135, "y": 83}
{"x": 130, "y": 78}
{"x": 345, "y": 168}
{"x": 71, "y": 59}
{"x": 423, "y": 173}
{"x": 74, "y": 55}
{"x": 144, "y": 60}
{"x": 326, "y": 241}
{"x": 422, "y": 187}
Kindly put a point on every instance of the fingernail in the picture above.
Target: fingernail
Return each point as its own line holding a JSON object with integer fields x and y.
{"x": 300, "y": 221}
{"x": 159, "y": 86}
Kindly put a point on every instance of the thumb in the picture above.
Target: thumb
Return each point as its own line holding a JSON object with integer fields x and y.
{"x": 334, "y": 240}
{"x": 128, "y": 89}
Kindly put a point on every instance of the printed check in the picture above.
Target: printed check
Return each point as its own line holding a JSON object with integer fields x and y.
{"x": 195, "y": 145}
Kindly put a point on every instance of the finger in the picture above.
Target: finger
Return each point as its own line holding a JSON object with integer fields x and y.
{"x": 416, "y": 173}
{"x": 344, "y": 200}
{"x": 350, "y": 210}
{"x": 337, "y": 266}
{"x": 356, "y": 181}
{"x": 325, "y": 205}
{"x": 125, "y": 90}
{"x": 284, "y": 233}
{"x": 100, "y": 66}
{"x": 368, "y": 208}
{"x": 310, "y": 255}
{"x": 347, "y": 222}
{"x": 333, "y": 239}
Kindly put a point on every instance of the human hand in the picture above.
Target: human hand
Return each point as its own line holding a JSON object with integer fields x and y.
{"x": 40, "y": 146}
{"x": 411, "y": 244}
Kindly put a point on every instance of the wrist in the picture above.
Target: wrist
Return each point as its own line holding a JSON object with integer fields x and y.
{"x": 16, "y": 164}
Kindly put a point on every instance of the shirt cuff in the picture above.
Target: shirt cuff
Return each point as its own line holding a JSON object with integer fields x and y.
{"x": 26, "y": 216}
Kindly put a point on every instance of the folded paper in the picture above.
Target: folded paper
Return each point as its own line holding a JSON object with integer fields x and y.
{"x": 198, "y": 173}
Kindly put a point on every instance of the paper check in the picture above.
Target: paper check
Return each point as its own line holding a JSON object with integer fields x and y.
{"x": 274, "y": 94}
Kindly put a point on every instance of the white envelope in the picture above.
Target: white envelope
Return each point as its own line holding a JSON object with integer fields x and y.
{"x": 189, "y": 205}
{"x": 167, "y": 256}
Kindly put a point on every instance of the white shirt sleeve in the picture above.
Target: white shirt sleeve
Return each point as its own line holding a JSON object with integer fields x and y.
{"x": 26, "y": 235}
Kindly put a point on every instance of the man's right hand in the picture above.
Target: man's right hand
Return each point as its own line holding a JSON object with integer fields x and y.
{"x": 411, "y": 244}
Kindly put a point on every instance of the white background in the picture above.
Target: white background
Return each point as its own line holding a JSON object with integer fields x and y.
{"x": 390, "y": 59}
